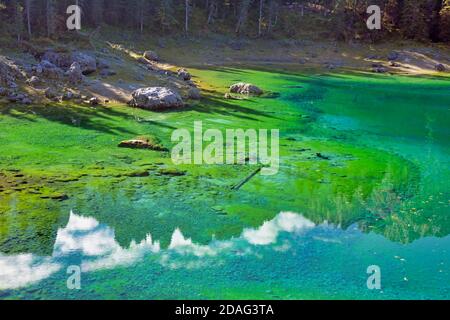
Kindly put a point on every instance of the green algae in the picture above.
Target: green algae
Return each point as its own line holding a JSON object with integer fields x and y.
{"x": 370, "y": 151}
{"x": 69, "y": 147}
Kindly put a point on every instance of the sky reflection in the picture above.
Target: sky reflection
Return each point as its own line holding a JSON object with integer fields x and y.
{"x": 96, "y": 245}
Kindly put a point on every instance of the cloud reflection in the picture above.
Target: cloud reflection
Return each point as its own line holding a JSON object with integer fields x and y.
{"x": 97, "y": 246}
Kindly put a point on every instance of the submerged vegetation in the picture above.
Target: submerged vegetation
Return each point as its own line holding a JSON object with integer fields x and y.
{"x": 87, "y": 175}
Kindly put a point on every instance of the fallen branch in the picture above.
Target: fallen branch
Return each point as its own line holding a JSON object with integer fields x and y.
{"x": 238, "y": 186}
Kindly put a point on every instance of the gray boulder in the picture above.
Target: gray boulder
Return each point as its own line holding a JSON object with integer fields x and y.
{"x": 246, "y": 88}
{"x": 59, "y": 59}
{"x": 49, "y": 70}
{"x": 10, "y": 72}
{"x": 87, "y": 62}
{"x": 154, "y": 98}
{"x": 19, "y": 98}
{"x": 74, "y": 74}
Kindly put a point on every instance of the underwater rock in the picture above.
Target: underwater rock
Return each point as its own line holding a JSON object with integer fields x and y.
{"x": 246, "y": 88}
{"x": 154, "y": 98}
{"x": 138, "y": 174}
{"x": 56, "y": 196}
{"x": 321, "y": 156}
{"x": 171, "y": 172}
{"x": 142, "y": 143}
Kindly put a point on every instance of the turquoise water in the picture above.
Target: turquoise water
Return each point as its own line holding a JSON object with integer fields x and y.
{"x": 310, "y": 232}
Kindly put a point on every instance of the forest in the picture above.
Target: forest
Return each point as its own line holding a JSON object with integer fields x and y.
{"x": 422, "y": 20}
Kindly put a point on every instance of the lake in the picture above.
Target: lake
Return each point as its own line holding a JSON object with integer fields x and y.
{"x": 363, "y": 181}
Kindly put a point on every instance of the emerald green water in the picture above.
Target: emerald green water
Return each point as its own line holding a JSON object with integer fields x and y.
{"x": 379, "y": 197}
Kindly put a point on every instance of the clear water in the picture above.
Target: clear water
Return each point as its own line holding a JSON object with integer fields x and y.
{"x": 309, "y": 232}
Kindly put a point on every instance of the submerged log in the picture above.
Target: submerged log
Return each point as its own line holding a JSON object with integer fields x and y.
{"x": 247, "y": 179}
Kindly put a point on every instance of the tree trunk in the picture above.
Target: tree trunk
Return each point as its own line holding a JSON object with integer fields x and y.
{"x": 186, "y": 25}
{"x": 28, "y": 8}
{"x": 261, "y": 6}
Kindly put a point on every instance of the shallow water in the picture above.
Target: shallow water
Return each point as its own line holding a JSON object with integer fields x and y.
{"x": 311, "y": 231}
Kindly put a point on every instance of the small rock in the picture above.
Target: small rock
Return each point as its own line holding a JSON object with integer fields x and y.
{"x": 151, "y": 55}
{"x": 440, "y": 67}
{"x": 103, "y": 64}
{"x": 94, "y": 101}
{"x": 393, "y": 56}
{"x": 26, "y": 101}
{"x": 143, "y": 61}
{"x": 184, "y": 74}
{"x": 34, "y": 81}
{"x": 321, "y": 156}
{"x": 68, "y": 95}
{"x": 50, "y": 93}
{"x": 12, "y": 84}
{"x": 394, "y": 64}
{"x": 107, "y": 73}
{"x": 194, "y": 93}
{"x": 49, "y": 70}
{"x": 379, "y": 70}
